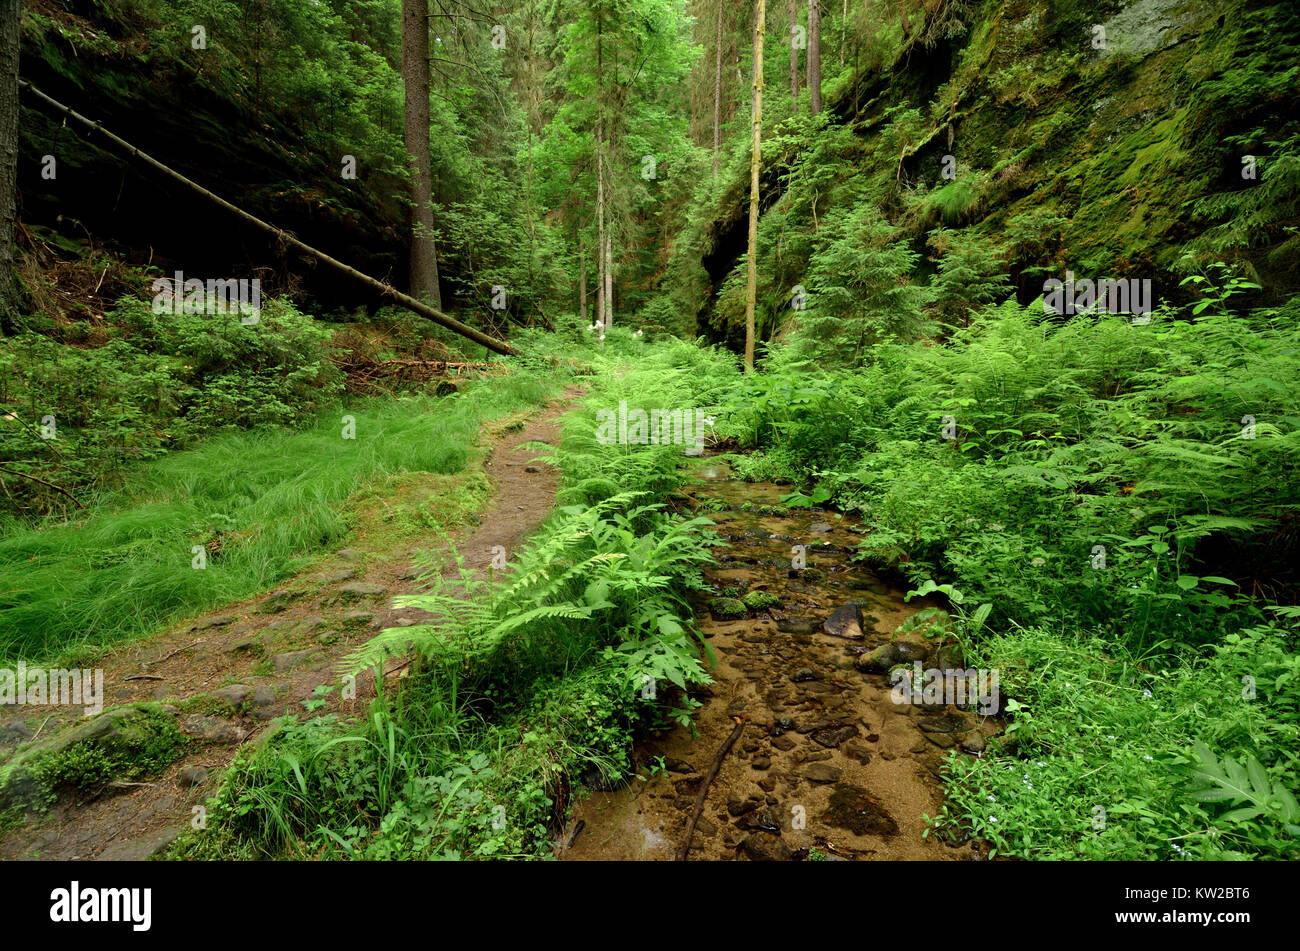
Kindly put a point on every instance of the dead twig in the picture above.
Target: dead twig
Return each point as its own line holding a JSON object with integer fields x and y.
{"x": 704, "y": 788}
{"x": 56, "y": 488}
{"x": 155, "y": 663}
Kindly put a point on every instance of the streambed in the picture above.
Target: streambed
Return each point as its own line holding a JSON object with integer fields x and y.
{"x": 828, "y": 763}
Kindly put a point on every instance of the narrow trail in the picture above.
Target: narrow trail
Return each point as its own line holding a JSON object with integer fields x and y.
{"x": 826, "y": 760}
{"x": 228, "y": 673}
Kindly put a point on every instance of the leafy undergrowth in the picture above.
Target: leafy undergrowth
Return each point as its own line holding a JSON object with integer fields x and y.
{"x": 1098, "y": 761}
{"x": 531, "y": 682}
{"x": 1110, "y": 505}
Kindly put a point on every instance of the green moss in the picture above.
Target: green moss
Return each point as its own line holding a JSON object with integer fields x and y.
{"x": 120, "y": 744}
{"x": 760, "y": 600}
{"x": 726, "y": 609}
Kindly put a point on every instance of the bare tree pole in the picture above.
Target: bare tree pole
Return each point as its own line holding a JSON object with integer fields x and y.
{"x": 415, "y": 80}
{"x": 582, "y": 284}
{"x": 600, "y": 169}
{"x": 751, "y": 285}
{"x": 793, "y": 8}
{"x": 284, "y": 238}
{"x": 815, "y": 54}
{"x": 10, "y": 294}
{"x": 717, "y": 93}
{"x": 844, "y": 22}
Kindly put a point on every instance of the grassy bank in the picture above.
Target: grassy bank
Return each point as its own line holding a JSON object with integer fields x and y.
{"x": 258, "y": 503}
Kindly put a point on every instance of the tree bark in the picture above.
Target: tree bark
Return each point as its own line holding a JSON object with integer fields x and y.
{"x": 284, "y": 238}
{"x": 582, "y": 285}
{"x": 844, "y": 22}
{"x": 415, "y": 80}
{"x": 600, "y": 171}
{"x": 10, "y": 294}
{"x": 793, "y": 7}
{"x": 751, "y": 284}
{"x": 609, "y": 275}
{"x": 815, "y": 54}
{"x": 717, "y": 93}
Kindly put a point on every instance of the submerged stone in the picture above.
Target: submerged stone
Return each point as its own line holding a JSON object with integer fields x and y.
{"x": 846, "y": 622}
{"x": 853, "y": 808}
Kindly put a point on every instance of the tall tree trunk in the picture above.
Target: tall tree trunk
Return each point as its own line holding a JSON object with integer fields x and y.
{"x": 415, "y": 79}
{"x": 600, "y": 172}
{"x": 793, "y": 7}
{"x": 815, "y": 54}
{"x": 717, "y": 93}
{"x": 609, "y": 276}
{"x": 844, "y": 22}
{"x": 10, "y": 296}
{"x": 582, "y": 284}
{"x": 751, "y": 285}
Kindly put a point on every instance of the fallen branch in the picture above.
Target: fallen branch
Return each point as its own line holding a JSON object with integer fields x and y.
{"x": 385, "y": 290}
{"x": 56, "y": 488}
{"x": 704, "y": 788}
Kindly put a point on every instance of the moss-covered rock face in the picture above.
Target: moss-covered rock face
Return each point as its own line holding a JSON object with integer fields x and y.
{"x": 727, "y": 609}
{"x": 120, "y": 744}
{"x": 1106, "y": 137}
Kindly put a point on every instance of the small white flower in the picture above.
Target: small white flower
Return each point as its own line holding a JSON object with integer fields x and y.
{"x": 993, "y": 818}
{"x": 1147, "y": 757}
{"x": 1146, "y": 694}
{"x": 991, "y": 799}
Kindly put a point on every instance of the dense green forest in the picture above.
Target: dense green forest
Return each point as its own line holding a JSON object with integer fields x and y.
{"x": 638, "y": 429}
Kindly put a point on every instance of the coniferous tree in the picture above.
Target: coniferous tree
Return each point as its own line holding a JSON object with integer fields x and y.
{"x": 815, "y": 54}
{"x": 415, "y": 77}
{"x": 9, "y": 289}
{"x": 751, "y": 286}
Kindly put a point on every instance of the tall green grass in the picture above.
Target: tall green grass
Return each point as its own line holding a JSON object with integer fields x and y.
{"x": 276, "y": 497}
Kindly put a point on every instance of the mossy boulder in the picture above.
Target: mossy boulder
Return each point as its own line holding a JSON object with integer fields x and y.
{"x": 124, "y": 743}
{"x": 760, "y": 600}
{"x": 879, "y": 660}
{"x": 727, "y": 609}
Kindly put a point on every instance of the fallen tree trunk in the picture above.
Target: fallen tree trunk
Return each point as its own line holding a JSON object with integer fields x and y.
{"x": 385, "y": 290}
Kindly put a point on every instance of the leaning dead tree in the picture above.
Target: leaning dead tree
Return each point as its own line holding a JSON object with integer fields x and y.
{"x": 385, "y": 290}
